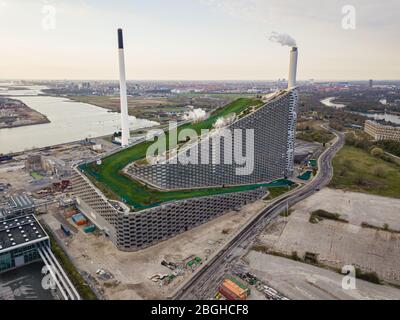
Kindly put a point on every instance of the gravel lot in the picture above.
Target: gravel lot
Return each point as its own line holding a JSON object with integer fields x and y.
{"x": 338, "y": 244}
{"x": 298, "y": 280}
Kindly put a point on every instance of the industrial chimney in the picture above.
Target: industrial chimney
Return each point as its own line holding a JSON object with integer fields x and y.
{"x": 293, "y": 68}
{"x": 122, "y": 89}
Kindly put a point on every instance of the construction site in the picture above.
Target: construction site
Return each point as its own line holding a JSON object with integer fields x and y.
{"x": 43, "y": 177}
{"x": 152, "y": 273}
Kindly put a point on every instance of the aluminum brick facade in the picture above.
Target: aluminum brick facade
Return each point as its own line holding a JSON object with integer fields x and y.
{"x": 274, "y": 126}
{"x": 131, "y": 231}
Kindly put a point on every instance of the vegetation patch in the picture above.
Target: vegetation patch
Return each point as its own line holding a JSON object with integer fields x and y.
{"x": 385, "y": 227}
{"x": 368, "y": 276}
{"x": 360, "y": 274}
{"x": 364, "y": 141}
{"x": 319, "y": 215}
{"x": 315, "y": 135}
{"x": 260, "y": 248}
{"x": 286, "y": 213}
{"x": 357, "y": 170}
{"x": 275, "y": 192}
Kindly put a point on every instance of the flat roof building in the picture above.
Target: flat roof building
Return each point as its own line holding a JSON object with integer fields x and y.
{"x": 272, "y": 125}
{"x": 382, "y": 132}
{"x": 16, "y": 205}
{"x": 20, "y": 239}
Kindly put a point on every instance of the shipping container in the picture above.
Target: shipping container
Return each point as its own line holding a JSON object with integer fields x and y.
{"x": 81, "y": 222}
{"x": 89, "y": 229}
{"x": 78, "y": 216}
{"x": 232, "y": 291}
{"x": 79, "y": 219}
{"x": 65, "y": 230}
{"x": 229, "y": 294}
{"x": 240, "y": 284}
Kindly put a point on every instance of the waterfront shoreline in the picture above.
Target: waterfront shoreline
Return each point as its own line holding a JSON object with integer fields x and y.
{"x": 33, "y": 117}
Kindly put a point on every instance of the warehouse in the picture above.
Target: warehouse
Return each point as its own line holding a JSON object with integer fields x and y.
{"x": 20, "y": 239}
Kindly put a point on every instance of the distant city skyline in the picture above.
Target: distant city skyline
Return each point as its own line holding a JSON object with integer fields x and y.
{"x": 198, "y": 39}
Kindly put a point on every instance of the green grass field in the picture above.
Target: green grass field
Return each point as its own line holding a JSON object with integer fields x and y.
{"x": 356, "y": 170}
{"x": 108, "y": 178}
{"x": 36, "y": 175}
{"x": 219, "y": 95}
{"x": 275, "y": 192}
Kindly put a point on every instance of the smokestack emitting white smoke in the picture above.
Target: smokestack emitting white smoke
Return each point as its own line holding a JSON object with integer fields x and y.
{"x": 283, "y": 39}
{"x": 122, "y": 90}
{"x": 293, "y": 68}
{"x": 286, "y": 40}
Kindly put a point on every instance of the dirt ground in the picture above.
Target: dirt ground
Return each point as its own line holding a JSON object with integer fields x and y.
{"x": 131, "y": 270}
{"x": 298, "y": 280}
{"x": 14, "y": 172}
{"x": 337, "y": 243}
{"x": 24, "y": 116}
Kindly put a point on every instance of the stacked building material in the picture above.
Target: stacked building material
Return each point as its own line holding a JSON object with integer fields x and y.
{"x": 233, "y": 291}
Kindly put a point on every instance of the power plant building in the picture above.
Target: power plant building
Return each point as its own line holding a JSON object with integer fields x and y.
{"x": 272, "y": 126}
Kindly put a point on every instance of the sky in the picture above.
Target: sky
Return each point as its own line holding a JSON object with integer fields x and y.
{"x": 199, "y": 39}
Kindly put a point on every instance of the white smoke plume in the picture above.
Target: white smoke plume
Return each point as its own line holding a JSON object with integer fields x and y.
{"x": 195, "y": 115}
{"x": 283, "y": 38}
{"x": 225, "y": 121}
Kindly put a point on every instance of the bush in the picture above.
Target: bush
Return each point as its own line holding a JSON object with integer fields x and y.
{"x": 377, "y": 152}
{"x": 360, "y": 181}
{"x": 320, "y": 214}
{"x": 295, "y": 256}
{"x": 368, "y": 276}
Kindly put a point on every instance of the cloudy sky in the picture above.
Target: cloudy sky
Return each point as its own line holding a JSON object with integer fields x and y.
{"x": 198, "y": 39}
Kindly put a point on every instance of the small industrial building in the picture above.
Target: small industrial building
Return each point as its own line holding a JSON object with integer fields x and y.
{"x": 23, "y": 241}
{"x": 20, "y": 239}
{"x": 16, "y": 205}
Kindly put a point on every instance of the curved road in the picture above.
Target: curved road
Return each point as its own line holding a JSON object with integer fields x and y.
{"x": 203, "y": 284}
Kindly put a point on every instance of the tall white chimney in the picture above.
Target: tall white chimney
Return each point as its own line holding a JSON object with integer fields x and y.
{"x": 122, "y": 89}
{"x": 293, "y": 67}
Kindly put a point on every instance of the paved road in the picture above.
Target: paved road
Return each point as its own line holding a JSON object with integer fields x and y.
{"x": 204, "y": 282}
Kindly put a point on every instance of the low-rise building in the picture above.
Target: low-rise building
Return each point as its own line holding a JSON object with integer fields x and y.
{"x": 34, "y": 162}
{"x": 16, "y": 205}
{"x": 20, "y": 240}
{"x": 382, "y": 132}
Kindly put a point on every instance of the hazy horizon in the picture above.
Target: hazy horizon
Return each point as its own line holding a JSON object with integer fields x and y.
{"x": 198, "y": 80}
{"x": 197, "y": 40}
